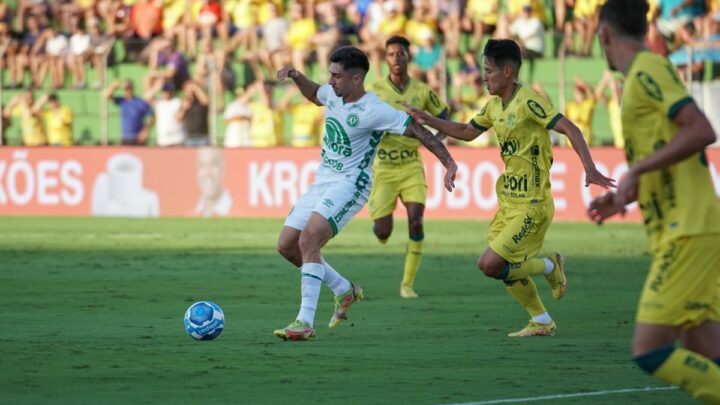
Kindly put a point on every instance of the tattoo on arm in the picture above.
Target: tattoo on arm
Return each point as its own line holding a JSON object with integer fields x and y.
{"x": 433, "y": 143}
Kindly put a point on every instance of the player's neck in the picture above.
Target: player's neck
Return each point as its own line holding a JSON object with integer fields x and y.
{"x": 626, "y": 54}
{"x": 509, "y": 91}
{"x": 355, "y": 95}
{"x": 399, "y": 81}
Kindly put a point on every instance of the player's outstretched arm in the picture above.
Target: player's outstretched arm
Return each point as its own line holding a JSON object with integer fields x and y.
{"x": 592, "y": 175}
{"x": 464, "y": 132}
{"x": 307, "y": 87}
{"x": 434, "y": 145}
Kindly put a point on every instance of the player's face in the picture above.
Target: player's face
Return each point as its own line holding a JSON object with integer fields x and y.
{"x": 397, "y": 58}
{"x": 494, "y": 77}
{"x": 605, "y": 38}
{"x": 343, "y": 81}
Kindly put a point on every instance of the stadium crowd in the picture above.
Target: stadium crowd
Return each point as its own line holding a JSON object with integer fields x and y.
{"x": 191, "y": 51}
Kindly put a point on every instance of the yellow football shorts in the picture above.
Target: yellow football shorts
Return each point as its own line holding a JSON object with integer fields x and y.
{"x": 389, "y": 183}
{"x": 517, "y": 232}
{"x": 683, "y": 285}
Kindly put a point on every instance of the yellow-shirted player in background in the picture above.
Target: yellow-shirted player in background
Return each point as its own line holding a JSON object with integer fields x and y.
{"x": 398, "y": 168}
{"x": 521, "y": 119}
{"x": 665, "y": 138}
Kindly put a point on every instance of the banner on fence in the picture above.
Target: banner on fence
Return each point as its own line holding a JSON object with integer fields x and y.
{"x": 208, "y": 182}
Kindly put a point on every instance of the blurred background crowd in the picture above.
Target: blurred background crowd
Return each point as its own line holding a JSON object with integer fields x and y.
{"x": 199, "y": 72}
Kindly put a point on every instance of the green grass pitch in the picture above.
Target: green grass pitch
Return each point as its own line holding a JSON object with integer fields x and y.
{"x": 92, "y": 313}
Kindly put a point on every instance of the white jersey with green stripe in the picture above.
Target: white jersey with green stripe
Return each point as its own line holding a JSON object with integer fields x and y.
{"x": 353, "y": 132}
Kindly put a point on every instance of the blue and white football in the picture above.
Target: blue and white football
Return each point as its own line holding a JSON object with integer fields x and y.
{"x": 204, "y": 320}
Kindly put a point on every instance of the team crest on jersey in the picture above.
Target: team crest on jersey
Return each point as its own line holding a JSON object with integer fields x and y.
{"x": 353, "y": 120}
{"x": 536, "y": 108}
{"x": 336, "y": 138}
{"x": 650, "y": 86}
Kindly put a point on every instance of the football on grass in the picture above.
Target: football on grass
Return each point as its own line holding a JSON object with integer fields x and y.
{"x": 204, "y": 320}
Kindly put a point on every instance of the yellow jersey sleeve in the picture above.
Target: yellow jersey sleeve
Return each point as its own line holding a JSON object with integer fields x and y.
{"x": 433, "y": 105}
{"x": 482, "y": 121}
{"x": 542, "y": 111}
{"x": 661, "y": 88}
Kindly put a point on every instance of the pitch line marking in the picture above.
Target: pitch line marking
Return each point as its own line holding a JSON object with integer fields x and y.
{"x": 563, "y": 396}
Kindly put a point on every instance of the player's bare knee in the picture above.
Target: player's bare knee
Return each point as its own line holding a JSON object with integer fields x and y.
{"x": 287, "y": 249}
{"x": 308, "y": 241}
{"x": 382, "y": 229}
{"x": 488, "y": 268}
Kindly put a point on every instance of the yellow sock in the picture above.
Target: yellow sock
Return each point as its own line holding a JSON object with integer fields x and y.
{"x": 525, "y": 293}
{"x": 694, "y": 373}
{"x": 412, "y": 262}
{"x": 532, "y": 267}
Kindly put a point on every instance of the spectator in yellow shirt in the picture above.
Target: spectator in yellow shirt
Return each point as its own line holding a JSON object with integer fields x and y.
{"x": 58, "y": 120}
{"x": 612, "y": 103}
{"x": 307, "y": 119}
{"x": 580, "y": 110}
{"x": 21, "y": 106}
{"x": 265, "y": 124}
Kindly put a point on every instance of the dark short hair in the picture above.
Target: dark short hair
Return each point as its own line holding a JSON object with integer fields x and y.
{"x": 350, "y": 57}
{"x": 398, "y": 40}
{"x": 502, "y": 52}
{"x": 629, "y": 17}
{"x": 53, "y": 97}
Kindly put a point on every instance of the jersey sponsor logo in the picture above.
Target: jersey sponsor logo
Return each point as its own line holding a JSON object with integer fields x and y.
{"x": 336, "y": 138}
{"x": 394, "y": 154}
{"x": 434, "y": 99}
{"x": 510, "y": 147}
{"x": 534, "y": 153}
{"x": 511, "y": 121}
{"x": 515, "y": 183}
{"x": 331, "y": 163}
{"x": 650, "y": 86}
{"x": 375, "y": 139}
{"x": 358, "y": 106}
{"x": 353, "y": 120}
{"x": 536, "y": 109}
{"x": 524, "y": 230}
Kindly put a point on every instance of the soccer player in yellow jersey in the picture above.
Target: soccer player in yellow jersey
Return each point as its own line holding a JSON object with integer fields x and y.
{"x": 665, "y": 137}
{"x": 521, "y": 119}
{"x": 398, "y": 168}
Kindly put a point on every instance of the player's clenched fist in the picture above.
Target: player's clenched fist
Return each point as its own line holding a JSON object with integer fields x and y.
{"x": 286, "y": 72}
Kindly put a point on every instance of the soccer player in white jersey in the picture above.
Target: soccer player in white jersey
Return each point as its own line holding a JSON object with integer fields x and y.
{"x": 355, "y": 121}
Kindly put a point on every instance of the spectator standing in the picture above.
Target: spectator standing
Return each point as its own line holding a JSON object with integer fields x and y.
{"x": 612, "y": 103}
{"x": 580, "y": 110}
{"x": 167, "y": 64}
{"x": 58, "y": 120}
{"x": 21, "y": 106}
{"x": 169, "y": 129}
{"x": 266, "y": 123}
{"x": 194, "y": 115}
{"x": 237, "y": 116}
{"x": 136, "y": 115}
{"x": 530, "y": 34}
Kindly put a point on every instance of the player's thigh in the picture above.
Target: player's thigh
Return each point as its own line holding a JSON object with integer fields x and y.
{"x": 682, "y": 287}
{"x": 303, "y": 208}
{"x": 340, "y": 202}
{"x": 384, "y": 193}
{"x": 517, "y": 233}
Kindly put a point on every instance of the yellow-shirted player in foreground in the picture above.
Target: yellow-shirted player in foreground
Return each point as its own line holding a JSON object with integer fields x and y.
{"x": 398, "y": 168}
{"x": 665, "y": 137}
{"x": 521, "y": 119}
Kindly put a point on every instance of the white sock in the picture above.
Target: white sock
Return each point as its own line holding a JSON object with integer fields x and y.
{"x": 543, "y": 318}
{"x": 549, "y": 266}
{"x": 337, "y": 283}
{"x": 310, "y": 283}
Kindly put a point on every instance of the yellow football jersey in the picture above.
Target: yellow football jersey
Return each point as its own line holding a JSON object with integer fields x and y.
{"x": 521, "y": 127}
{"x": 679, "y": 200}
{"x": 397, "y": 149}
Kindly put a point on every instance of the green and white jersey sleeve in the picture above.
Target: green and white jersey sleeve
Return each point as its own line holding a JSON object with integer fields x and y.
{"x": 354, "y": 130}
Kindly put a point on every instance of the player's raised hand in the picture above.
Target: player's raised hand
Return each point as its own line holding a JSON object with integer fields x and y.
{"x": 451, "y": 170}
{"x": 286, "y": 72}
{"x": 593, "y": 176}
{"x": 421, "y": 117}
{"x": 604, "y": 207}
